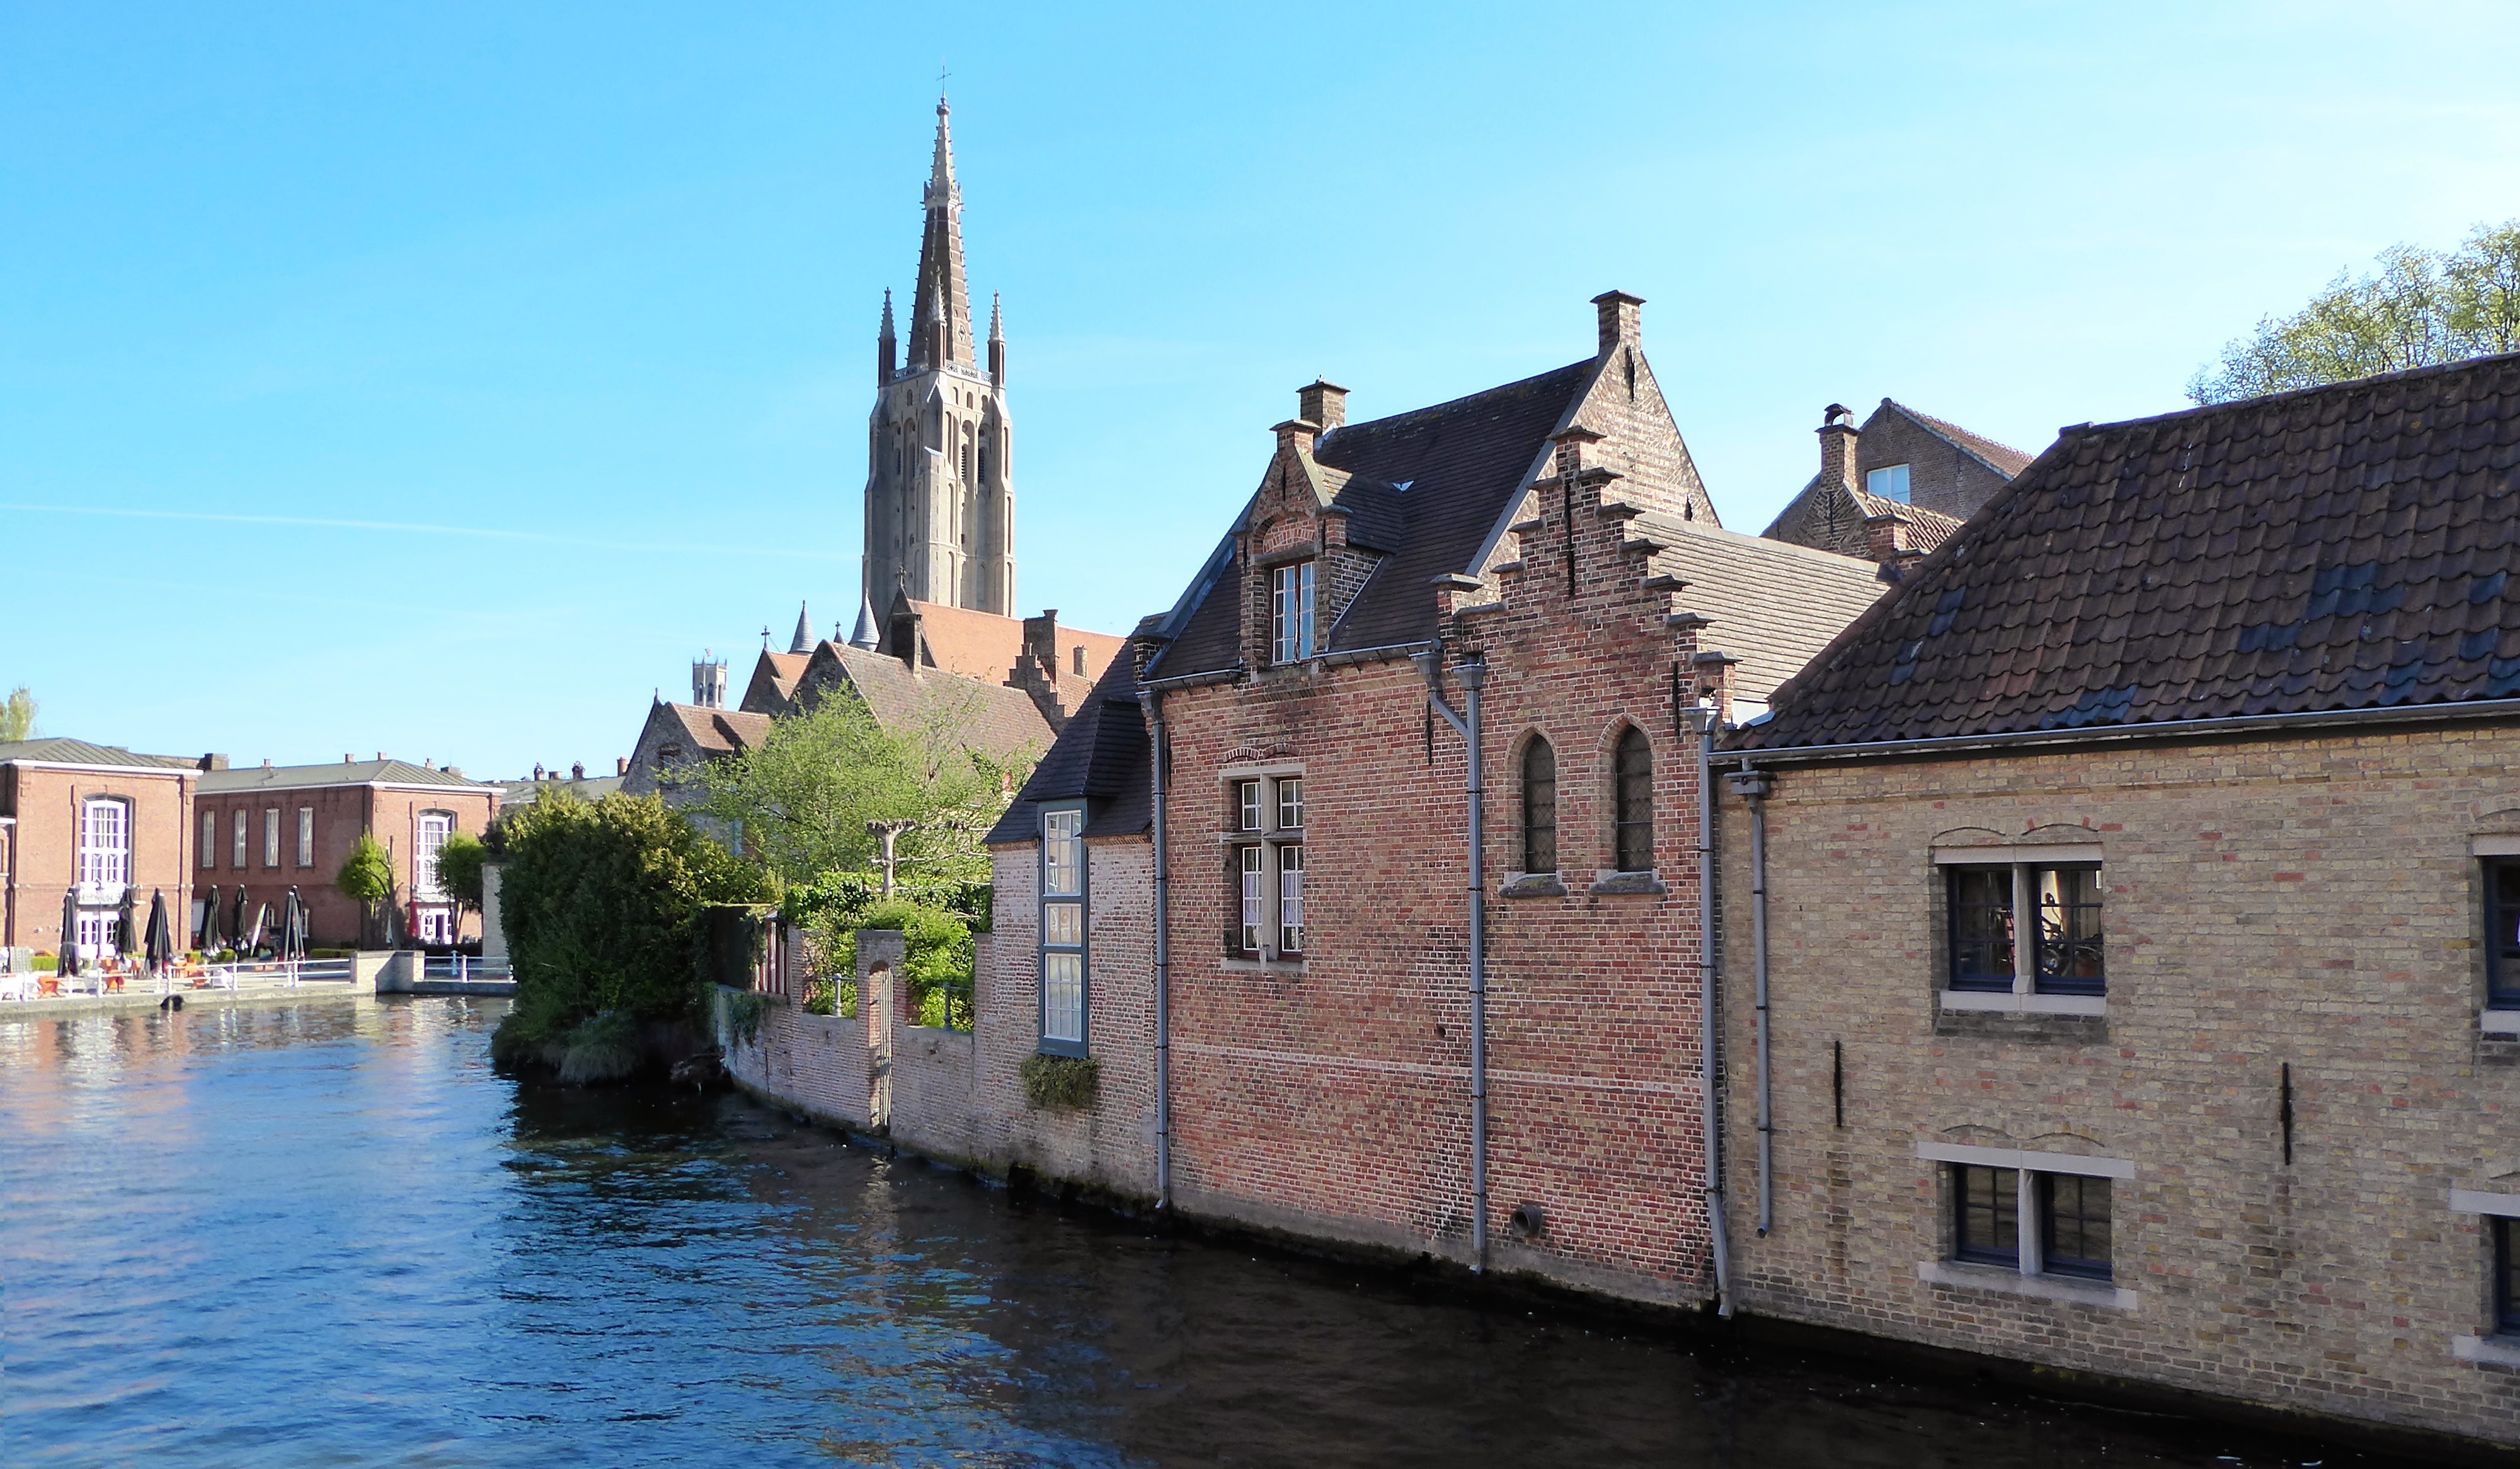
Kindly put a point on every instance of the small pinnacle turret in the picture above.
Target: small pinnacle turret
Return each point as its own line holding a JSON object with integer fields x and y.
{"x": 803, "y": 641}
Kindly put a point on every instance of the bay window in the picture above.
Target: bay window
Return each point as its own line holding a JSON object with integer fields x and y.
{"x": 1062, "y": 932}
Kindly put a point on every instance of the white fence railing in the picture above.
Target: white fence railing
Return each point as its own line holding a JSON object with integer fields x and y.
{"x": 462, "y": 968}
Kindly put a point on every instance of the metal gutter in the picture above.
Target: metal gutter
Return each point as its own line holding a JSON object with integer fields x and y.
{"x": 1152, "y": 704}
{"x": 2164, "y": 729}
{"x": 1474, "y": 673}
{"x": 1753, "y": 786}
{"x": 1701, "y": 718}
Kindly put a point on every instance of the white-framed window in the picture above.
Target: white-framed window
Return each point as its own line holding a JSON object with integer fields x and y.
{"x": 1290, "y": 612}
{"x": 105, "y": 842}
{"x": 430, "y": 831}
{"x": 1064, "y": 879}
{"x": 235, "y": 858}
{"x": 306, "y": 836}
{"x": 1265, "y": 848}
{"x": 209, "y": 856}
{"x": 1890, "y": 482}
{"x": 271, "y": 836}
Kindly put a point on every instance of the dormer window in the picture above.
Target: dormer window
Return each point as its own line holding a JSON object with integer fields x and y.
{"x": 1290, "y": 612}
{"x": 1890, "y": 484}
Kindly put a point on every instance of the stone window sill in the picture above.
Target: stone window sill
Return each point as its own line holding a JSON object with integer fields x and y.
{"x": 1533, "y": 885}
{"x": 2495, "y": 1351}
{"x": 2037, "y": 1287}
{"x": 2499, "y": 1021}
{"x": 2012, "y": 1003}
{"x": 1618, "y": 884}
{"x": 1289, "y": 968}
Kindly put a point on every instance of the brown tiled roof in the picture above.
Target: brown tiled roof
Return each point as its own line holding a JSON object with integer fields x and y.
{"x": 720, "y": 732}
{"x": 985, "y": 645}
{"x": 1932, "y": 527}
{"x": 2002, "y": 458}
{"x": 773, "y": 681}
{"x": 2343, "y": 548}
{"x": 1425, "y": 488}
{"x": 1100, "y": 757}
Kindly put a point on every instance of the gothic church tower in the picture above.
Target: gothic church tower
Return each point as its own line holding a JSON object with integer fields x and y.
{"x": 940, "y": 505}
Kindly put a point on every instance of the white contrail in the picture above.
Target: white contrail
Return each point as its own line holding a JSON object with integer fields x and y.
{"x": 406, "y": 527}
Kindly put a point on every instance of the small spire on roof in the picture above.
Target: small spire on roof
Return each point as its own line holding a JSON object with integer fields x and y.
{"x": 803, "y": 641}
{"x": 864, "y": 635}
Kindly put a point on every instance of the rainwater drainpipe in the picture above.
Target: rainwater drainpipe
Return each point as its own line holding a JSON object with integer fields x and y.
{"x": 1474, "y": 677}
{"x": 1152, "y": 703}
{"x": 1753, "y": 786}
{"x": 1701, "y": 718}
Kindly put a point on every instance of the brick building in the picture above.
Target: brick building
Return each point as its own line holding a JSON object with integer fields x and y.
{"x": 1897, "y": 487}
{"x": 266, "y": 829}
{"x": 1314, "y": 922}
{"x": 98, "y": 817}
{"x": 2231, "y": 698}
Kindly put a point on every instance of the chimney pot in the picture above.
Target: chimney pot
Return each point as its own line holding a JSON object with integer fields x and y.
{"x": 1837, "y": 440}
{"x": 620, "y": 765}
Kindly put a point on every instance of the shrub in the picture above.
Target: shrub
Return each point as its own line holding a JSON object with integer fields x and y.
{"x": 739, "y": 1012}
{"x": 936, "y": 963}
{"x": 603, "y": 1048}
{"x": 606, "y": 908}
{"x": 1060, "y": 1082}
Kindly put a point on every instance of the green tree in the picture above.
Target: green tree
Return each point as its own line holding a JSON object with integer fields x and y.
{"x": 367, "y": 879}
{"x": 17, "y": 715}
{"x": 606, "y": 905}
{"x": 458, "y": 870}
{"x": 801, "y": 799}
{"x": 2419, "y": 310}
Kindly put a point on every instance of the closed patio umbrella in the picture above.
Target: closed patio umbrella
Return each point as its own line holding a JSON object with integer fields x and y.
{"x": 253, "y": 935}
{"x": 236, "y": 923}
{"x": 207, "y": 939}
{"x": 160, "y": 947}
{"x": 293, "y": 928}
{"x": 126, "y": 931}
{"x": 70, "y": 932}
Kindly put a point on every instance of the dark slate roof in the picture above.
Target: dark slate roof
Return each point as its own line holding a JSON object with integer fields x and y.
{"x": 1100, "y": 756}
{"x": 2341, "y": 548}
{"x": 1427, "y": 488}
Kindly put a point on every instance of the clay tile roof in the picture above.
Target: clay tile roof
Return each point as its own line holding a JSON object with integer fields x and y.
{"x": 1004, "y": 722}
{"x": 1425, "y": 487}
{"x": 2342, "y": 548}
{"x": 2003, "y": 458}
{"x": 1100, "y": 757}
{"x": 720, "y": 732}
{"x": 1933, "y": 527}
{"x": 985, "y": 645}
{"x": 1774, "y": 604}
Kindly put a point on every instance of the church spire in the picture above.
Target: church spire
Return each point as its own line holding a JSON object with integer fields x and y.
{"x": 886, "y": 356}
{"x": 803, "y": 641}
{"x": 997, "y": 341}
{"x": 941, "y": 313}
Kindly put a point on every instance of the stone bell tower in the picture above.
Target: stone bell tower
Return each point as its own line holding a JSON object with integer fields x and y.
{"x": 940, "y": 505}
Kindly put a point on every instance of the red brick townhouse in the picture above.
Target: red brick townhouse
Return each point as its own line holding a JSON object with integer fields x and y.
{"x": 99, "y": 818}
{"x": 1273, "y": 957}
{"x": 2142, "y": 933}
{"x": 267, "y": 829}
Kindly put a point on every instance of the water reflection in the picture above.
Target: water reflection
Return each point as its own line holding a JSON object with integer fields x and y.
{"x": 327, "y": 1234}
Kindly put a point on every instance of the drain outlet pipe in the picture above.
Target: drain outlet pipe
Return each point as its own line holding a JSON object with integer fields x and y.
{"x": 1151, "y": 702}
{"x": 1753, "y": 786}
{"x": 1474, "y": 677}
{"x": 1701, "y": 718}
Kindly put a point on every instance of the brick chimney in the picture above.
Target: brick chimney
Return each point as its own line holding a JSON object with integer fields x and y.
{"x": 621, "y": 764}
{"x": 1296, "y": 435}
{"x": 1886, "y": 540}
{"x": 1837, "y": 436}
{"x": 1619, "y": 321}
{"x": 1322, "y": 403}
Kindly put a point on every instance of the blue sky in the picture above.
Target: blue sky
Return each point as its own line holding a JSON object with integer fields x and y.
{"x": 442, "y": 379}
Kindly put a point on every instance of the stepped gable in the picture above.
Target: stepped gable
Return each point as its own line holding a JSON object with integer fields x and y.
{"x": 2340, "y": 548}
{"x": 1426, "y": 489}
{"x": 1100, "y": 757}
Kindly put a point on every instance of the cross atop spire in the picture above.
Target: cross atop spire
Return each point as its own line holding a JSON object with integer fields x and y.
{"x": 941, "y": 312}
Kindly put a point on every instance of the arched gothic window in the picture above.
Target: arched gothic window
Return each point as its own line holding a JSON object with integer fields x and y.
{"x": 1539, "y": 807}
{"x": 1634, "y": 799}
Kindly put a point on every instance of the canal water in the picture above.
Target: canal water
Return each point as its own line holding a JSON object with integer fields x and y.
{"x": 331, "y": 1235}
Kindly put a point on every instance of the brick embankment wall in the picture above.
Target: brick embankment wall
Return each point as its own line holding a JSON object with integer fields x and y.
{"x": 823, "y": 1066}
{"x": 2311, "y": 903}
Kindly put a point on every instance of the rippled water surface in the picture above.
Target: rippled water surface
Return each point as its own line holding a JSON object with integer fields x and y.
{"x": 331, "y": 1235}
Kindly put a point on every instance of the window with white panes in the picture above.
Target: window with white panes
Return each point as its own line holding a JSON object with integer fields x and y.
{"x": 1064, "y": 877}
{"x": 271, "y": 836}
{"x": 209, "y": 856}
{"x": 430, "y": 831}
{"x": 1291, "y": 603}
{"x": 1889, "y": 483}
{"x": 1265, "y": 867}
{"x": 306, "y": 836}
{"x": 236, "y": 856}
{"x": 105, "y": 842}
